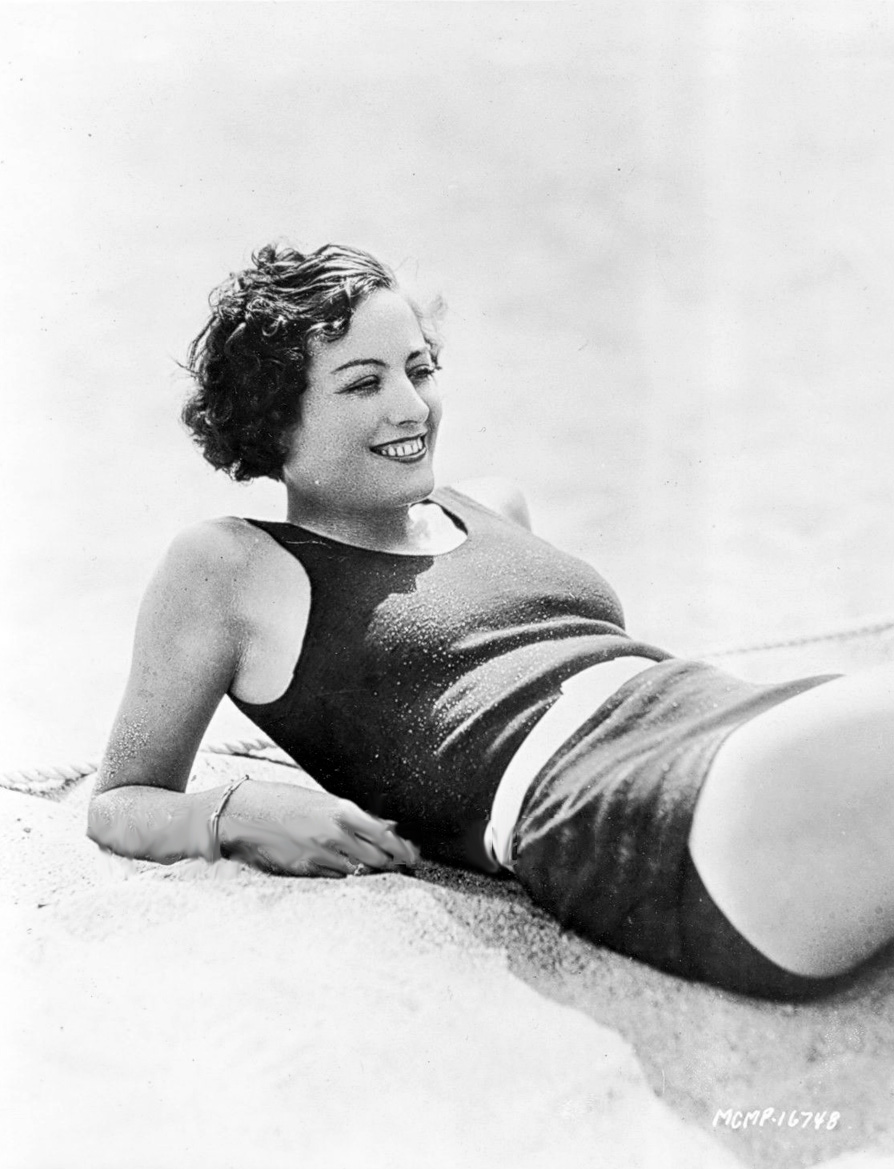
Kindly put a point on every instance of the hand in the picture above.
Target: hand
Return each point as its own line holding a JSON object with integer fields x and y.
{"x": 283, "y": 828}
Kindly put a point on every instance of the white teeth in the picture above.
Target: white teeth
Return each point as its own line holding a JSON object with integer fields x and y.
{"x": 402, "y": 450}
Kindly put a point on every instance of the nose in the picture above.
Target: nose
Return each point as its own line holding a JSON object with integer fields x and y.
{"x": 408, "y": 406}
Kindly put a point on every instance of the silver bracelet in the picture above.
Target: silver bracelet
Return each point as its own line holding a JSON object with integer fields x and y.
{"x": 214, "y": 819}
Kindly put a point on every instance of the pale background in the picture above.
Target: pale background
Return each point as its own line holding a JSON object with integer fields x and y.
{"x": 664, "y": 231}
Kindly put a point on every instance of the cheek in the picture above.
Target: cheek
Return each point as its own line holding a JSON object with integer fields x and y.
{"x": 435, "y": 406}
{"x": 323, "y": 436}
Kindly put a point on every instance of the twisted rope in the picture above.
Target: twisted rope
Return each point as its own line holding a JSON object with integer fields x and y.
{"x": 873, "y": 627}
{"x": 55, "y": 781}
{"x": 46, "y": 781}
{"x": 248, "y": 748}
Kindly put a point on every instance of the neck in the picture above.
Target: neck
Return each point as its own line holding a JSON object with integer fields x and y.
{"x": 398, "y": 529}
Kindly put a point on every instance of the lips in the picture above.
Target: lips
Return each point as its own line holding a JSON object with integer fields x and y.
{"x": 407, "y": 450}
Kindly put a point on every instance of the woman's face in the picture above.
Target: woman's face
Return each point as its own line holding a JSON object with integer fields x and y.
{"x": 369, "y": 416}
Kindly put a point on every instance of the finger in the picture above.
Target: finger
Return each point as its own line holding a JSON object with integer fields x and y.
{"x": 333, "y": 863}
{"x": 338, "y": 866}
{"x": 403, "y": 850}
{"x": 368, "y": 853}
{"x": 379, "y": 833}
{"x": 316, "y": 859}
{"x": 412, "y": 850}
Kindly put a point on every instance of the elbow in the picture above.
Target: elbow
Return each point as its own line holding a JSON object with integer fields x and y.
{"x": 105, "y": 811}
{"x": 107, "y": 815}
{"x": 99, "y": 828}
{"x": 112, "y": 829}
{"x": 146, "y": 823}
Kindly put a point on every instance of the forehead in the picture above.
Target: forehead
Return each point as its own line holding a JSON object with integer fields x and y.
{"x": 383, "y": 328}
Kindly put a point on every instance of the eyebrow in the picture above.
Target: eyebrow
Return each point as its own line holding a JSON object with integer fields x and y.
{"x": 375, "y": 360}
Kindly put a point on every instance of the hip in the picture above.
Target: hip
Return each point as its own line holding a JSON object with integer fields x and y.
{"x": 615, "y": 713}
{"x": 602, "y": 834}
{"x": 581, "y": 695}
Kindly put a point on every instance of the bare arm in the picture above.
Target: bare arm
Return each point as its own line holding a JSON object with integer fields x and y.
{"x": 191, "y": 634}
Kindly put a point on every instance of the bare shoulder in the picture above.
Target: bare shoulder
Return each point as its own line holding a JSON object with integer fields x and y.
{"x": 236, "y": 564}
{"x": 217, "y": 556}
{"x": 220, "y": 545}
{"x": 198, "y": 577}
{"x": 250, "y": 591}
{"x": 187, "y": 650}
{"x": 501, "y": 495}
{"x": 198, "y": 586}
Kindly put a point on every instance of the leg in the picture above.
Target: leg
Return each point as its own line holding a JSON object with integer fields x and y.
{"x": 793, "y": 834}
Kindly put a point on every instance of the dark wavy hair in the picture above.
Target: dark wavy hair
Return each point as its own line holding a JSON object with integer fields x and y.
{"x": 249, "y": 363}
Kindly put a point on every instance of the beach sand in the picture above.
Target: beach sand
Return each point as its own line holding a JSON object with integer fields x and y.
{"x": 205, "y": 1016}
{"x": 199, "y": 1015}
{"x": 663, "y": 231}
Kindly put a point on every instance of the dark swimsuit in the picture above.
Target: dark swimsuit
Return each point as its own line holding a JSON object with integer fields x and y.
{"x": 420, "y": 676}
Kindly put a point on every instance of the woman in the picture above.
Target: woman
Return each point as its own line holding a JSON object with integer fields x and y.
{"x": 455, "y": 681}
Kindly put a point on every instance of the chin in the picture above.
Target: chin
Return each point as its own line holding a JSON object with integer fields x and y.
{"x": 421, "y": 487}
{"x": 424, "y": 489}
{"x": 410, "y": 485}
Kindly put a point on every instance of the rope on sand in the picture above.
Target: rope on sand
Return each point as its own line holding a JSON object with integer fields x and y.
{"x": 807, "y": 639}
{"x": 56, "y": 780}
{"x": 249, "y": 748}
{"x": 46, "y": 781}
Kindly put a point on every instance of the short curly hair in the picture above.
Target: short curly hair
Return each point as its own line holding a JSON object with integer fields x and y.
{"x": 249, "y": 363}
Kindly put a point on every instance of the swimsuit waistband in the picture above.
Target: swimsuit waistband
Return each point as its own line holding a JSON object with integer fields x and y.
{"x": 581, "y": 695}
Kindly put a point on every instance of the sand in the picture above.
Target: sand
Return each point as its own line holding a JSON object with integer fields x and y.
{"x": 664, "y": 233}
{"x": 212, "y": 1015}
{"x": 205, "y": 1015}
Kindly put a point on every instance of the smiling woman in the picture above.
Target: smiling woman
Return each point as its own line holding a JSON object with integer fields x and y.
{"x": 453, "y": 680}
{"x": 363, "y": 451}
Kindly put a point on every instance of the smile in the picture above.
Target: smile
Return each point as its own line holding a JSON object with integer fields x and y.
{"x": 407, "y": 451}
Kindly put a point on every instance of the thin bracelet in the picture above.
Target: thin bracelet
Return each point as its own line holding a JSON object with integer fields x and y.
{"x": 214, "y": 819}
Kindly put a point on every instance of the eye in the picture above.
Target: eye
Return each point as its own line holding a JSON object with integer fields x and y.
{"x": 367, "y": 385}
{"x": 422, "y": 373}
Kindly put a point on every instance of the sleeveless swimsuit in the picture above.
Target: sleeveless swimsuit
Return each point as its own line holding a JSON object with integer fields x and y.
{"x": 420, "y": 676}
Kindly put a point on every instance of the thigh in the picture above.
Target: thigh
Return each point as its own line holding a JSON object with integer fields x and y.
{"x": 793, "y": 831}
{"x": 601, "y": 841}
{"x": 718, "y": 953}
